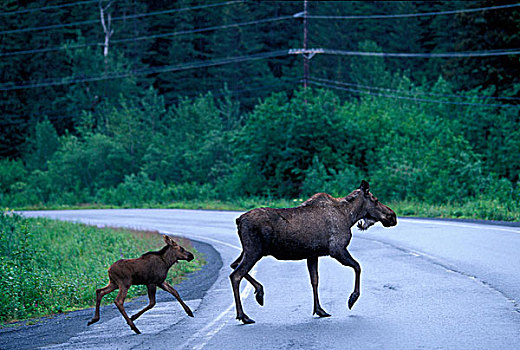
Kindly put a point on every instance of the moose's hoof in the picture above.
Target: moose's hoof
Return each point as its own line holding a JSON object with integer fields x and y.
{"x": 321, "y": 313}
{"x": 259, "y": 296}
{"x": 352, "y": 300}
{"x": 189, "y": 313}
{"x": 92, "y": 321}
{"x": 245, "y": 319}
{"x": 137, "y": 331}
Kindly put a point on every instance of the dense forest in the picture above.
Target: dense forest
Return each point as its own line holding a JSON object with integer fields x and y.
{"x": 128, "y": 102}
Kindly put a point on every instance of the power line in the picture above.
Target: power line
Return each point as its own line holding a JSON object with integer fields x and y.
{"x": 406, "y": 15}
{"x": 424, "y": 55}
{"x": 153, "y": 70}
{"x": 414, "y": 92}
{"x": 466, "y": 54}
{"x": 139, "y": 15}
{"x": 189, "y": 97}
{"x": 47, "y": 7}
{"x": 415, "y": 99}
{"x": 281, "y": 82}
{"x": 206, "y": 29}
{"x": 53, "y": 26}
{"x": 149, "y": 37}
{"x": 48, "y": 49}
{"x": 147, "y": 14}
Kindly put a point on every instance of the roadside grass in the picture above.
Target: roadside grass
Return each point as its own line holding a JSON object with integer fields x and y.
{"x": 239, "y": 204}
{"x": 480, "y": 209}
{"x": 49, "y": 266}
{"x": 483, "y": 209}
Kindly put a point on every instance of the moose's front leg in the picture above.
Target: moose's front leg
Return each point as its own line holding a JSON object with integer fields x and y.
{"x": 344, "y": 257}
{"x": 167, "y": 287}
{"x": 152, "y": 289}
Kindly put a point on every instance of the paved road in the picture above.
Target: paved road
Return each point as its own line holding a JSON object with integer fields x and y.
{"x": 425, "y": 285}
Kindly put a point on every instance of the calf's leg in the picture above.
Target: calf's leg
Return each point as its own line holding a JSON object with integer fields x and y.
{"x": 120, "y": 299}
{"x": 312, "y": 265}
{"x": 152, "y": 288}
{"x": 100, "y": 293}
{"x": 259, "y": 289}
{"x": 167, "y": 287}
{"x": 344, "y": 257}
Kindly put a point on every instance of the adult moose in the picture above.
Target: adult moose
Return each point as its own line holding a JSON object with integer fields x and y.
{"x": 318, "y": 227}
{"x": 150, "y": 270}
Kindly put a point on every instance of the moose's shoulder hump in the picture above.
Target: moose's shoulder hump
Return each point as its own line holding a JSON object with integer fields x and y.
{"x": 160, "y": 252}
{"x": 319, "y": 198}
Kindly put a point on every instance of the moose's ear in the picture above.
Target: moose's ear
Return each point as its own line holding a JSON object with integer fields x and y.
{"x": 365, "y": 187}
{"x": 168, "y": 240}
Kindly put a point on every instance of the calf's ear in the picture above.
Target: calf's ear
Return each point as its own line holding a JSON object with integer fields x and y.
{"x": 168, "y": 240}
{"x": 365, "y": 187}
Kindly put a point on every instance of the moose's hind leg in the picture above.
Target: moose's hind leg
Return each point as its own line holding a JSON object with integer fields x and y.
{"x": 120, "y": 300}
{"x": 245, "y": 265}
{"x": 100, "y": 293}
{"x": 312, "y": 265}
{"x": 259, "y": 289}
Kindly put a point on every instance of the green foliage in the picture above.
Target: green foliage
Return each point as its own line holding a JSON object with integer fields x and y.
{"x": 12, "y": 171}
{"x": 369, "y": 71}
{"x": 42, "y": 146}
{"x": 144, "y": 154}
{"x": 134, "y": 190}
{"x": 74, "y": 52}
{"x": 50, "y": 266}
{"x": 162, "y": 138}
{"x": 337, "y": 183}
{"x": 281, "y": 138}
{"x": 197, "y": 140}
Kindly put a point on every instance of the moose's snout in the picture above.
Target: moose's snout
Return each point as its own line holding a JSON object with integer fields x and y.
{"x": 189, "y": 256}
{"x": 391, "y": 220}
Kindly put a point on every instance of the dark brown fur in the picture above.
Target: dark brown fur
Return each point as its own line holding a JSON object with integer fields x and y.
{"x": 150, "y": 270}
{"x": 318, "y": 227}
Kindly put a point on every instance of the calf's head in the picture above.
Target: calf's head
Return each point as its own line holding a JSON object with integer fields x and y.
{"x": 373, "y": 209}
{"x": 180, "y": 252}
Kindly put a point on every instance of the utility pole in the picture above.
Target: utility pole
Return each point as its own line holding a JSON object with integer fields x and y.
{"x": 305, "y": 51}
{"x": 305, "y": 57}
{"x": 107, "y": 26}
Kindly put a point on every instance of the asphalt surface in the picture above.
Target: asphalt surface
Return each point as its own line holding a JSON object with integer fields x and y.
{"x": 424, "y": 285}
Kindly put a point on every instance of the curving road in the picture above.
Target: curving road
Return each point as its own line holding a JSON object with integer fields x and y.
{"x": 425, "y": 285}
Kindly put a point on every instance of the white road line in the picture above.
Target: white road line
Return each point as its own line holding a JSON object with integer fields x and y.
{"x": 202, "y": 238}
{"x": 208, "y": 332}
{"x": 211, "y": 329}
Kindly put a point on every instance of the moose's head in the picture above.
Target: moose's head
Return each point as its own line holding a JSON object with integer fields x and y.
{"x": 180, "y": 252}
{"x": 372, "y": 209}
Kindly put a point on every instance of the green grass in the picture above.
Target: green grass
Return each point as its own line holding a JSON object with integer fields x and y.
{"x": 476, "y": 209}
{"x": 239, "y": 204}
{"x": 484, "y": 209}
{"x": 49, "y": 267}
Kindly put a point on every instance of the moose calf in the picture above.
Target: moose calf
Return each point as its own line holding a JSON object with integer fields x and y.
{"x": 150, "y": 270}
